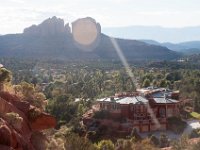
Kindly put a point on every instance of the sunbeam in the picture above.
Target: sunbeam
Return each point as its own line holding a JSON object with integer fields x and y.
{"x": 131, "y": 75}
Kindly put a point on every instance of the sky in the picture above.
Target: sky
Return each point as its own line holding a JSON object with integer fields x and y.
{"x": 15, "y": 15}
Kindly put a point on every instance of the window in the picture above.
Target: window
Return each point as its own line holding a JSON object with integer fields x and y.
{"x": 114, "y": 106}
{"x": 103, "y": 105}
{"x": 118, "y": 106}
{"x": 141, "y": 109}
{"x": 170, "y": 112}
{"x": 162, "y": 112}
{"x": 137, "y": 108}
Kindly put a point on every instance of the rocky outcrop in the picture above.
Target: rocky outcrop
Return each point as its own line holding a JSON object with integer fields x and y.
{"x": 43, "y": 121}
{"x": 2, "y": 147}
{"x": 50, "y": 27}
{"x": 18, "y": 135}
{"x": 55, "y": 26}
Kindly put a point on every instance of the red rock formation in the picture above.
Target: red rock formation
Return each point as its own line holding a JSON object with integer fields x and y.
{"x": 49, "y": 27}
{"x": 20, "y": 138}
{"x": 43, "y": 121}
{"x": 2, "y": 147}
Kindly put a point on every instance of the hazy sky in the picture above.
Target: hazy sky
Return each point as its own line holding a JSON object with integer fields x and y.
{"x": 15, "y": 15}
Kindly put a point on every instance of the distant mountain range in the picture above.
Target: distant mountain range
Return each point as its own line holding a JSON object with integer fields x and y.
{"x": 157, "y": 33}
{"x": 55, "y": 40}
{"x": 172, "y": 38}
{"x": 188, "y": 48}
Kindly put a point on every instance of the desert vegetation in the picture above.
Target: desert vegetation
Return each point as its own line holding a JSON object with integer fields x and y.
{"x": 67, "y": 90}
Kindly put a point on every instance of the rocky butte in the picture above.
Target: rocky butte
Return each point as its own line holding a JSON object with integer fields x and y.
{"x": 51, "y": 26}
{"x": 53, "y": 39}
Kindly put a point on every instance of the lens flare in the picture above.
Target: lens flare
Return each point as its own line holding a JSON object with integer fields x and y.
{"x": 123, "y": 59}
{"x": 131, "y": 75}
{"x": 85, "y": 33}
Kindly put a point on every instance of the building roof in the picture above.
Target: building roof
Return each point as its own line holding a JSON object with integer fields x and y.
{"x": 162, "y": 94}
{"x": 107, "y": 99}
{"x": 155, "y": 92}
{"x": 125, "y": 100}
{"x": 162, "y": 100}
{"x": 133, "y": 100}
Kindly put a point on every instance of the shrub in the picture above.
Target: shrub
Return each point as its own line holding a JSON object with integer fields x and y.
{"x": 56, "y": 144}
{"x": 39, "y": 140}
{"x": 164, "y": 141}
{"x": 196, "y": 146}
{"x": 181, "y": 144}
{"x": 75, "y": 142}
{"x": 123, "y": 144}
{"x": 33, "y": 114}
{"x": 154, "y": 140}
{"x": 195, "y": 133}
{"x": 195, "y": 115}
{"x": 14, "y": 119}
{"x": 135, "y": 134}
{"x": 145, "y": 144}
{"x": 105, "y": 145}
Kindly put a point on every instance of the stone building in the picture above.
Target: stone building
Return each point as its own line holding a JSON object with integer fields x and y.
{"x": 145, "y": 112}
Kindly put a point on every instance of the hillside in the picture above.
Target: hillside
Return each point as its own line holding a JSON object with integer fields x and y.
{"x": 53, "y": 39}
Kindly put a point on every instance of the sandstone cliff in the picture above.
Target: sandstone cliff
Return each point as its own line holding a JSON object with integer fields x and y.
{"x": 51, "y": 26}
{"x": 21, "y": 124}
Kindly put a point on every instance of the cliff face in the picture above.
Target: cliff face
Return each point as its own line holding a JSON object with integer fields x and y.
{"x": 49, "y": 27}
{"x": 21, "y": 124}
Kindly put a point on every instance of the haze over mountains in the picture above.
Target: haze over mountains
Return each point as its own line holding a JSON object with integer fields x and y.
{"x": 156, "y": 33}
{"x": 54, "y": 39}
{"x": 187, "y": 48}
{"x": 185, "y": 40}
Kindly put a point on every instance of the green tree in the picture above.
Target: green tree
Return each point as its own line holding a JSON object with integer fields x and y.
{"x": 40, "y": 100}
{"x": 27, "y": 90}
{"x": 34, "y": 81}
{"x": 155, "y": 84}
{"x": 63, "y": 107}
{"x": 81, "y": 109}
{"x": 146, "y": 83}
{"x": 5, "y": 77}
{"x": 163, "y": 83}
{"x": 99, "y": 77}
